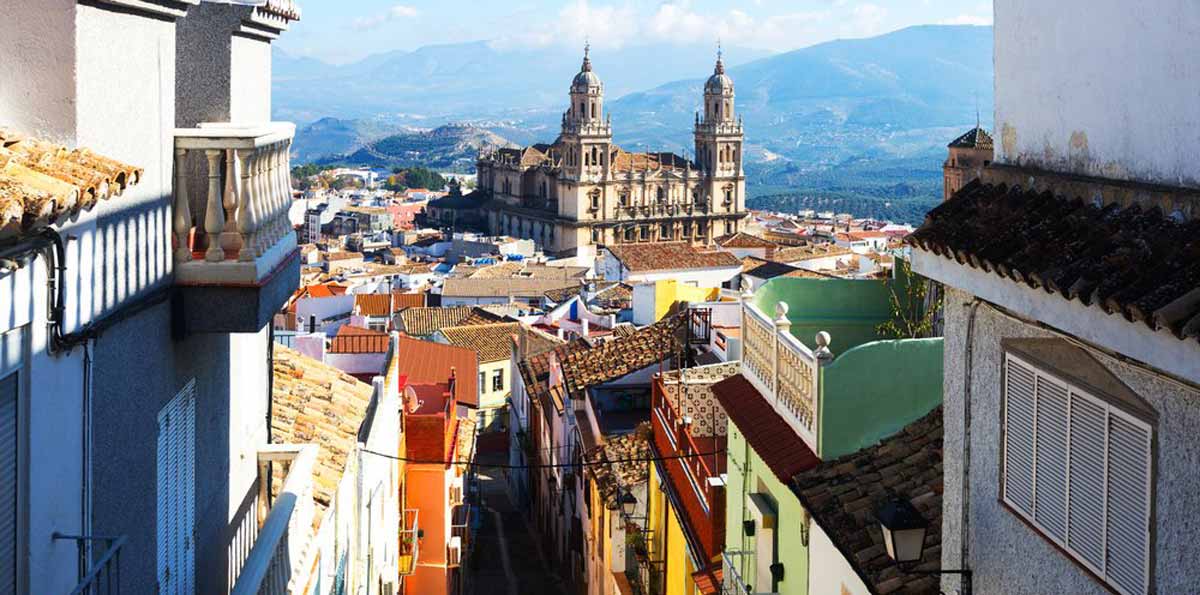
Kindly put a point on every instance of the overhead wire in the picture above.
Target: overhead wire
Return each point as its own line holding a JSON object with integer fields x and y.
{"x": 543, "y": 466}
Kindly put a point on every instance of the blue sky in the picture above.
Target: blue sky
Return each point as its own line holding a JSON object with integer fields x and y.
{"x": 345, "y": 30}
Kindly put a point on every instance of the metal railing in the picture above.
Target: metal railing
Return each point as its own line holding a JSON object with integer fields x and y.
{"x": 279, "y": 562}
{"x": 103, "y": 577}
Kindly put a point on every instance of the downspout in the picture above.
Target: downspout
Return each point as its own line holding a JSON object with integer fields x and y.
{"x": 964, "y": 524}
{"x": 85, "y": 469}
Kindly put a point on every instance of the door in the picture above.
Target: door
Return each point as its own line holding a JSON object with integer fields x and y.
{"x": 176, "y": 493}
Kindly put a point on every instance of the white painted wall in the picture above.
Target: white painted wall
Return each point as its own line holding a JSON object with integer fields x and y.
{"x": 829, "y": 572}
{"x": 1099, "y": 87}
{"x": 643, "y": 305}
{"x": 322, "y": 308}
{"x": 357, "y": 363}
{"x": 713, "y": 277}
{"x": 250, "y": 80}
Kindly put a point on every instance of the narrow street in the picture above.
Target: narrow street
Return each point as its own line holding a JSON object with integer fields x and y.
{"x": 506, "y": 559}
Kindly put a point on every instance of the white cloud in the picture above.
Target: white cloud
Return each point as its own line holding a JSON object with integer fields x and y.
{"x": 397, "y": 12}
{"x": 967, "y": 19}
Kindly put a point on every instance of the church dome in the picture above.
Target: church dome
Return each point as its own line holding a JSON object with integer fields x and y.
{"x": 586, "y": 78}
{"x": 718, "y": 83}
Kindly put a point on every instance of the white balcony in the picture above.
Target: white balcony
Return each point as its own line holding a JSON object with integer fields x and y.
{"x": 235, "y": 249}
{"x": 784, "y": 370}
{"x": 273, "y": 552}
{"x": 410, "y": 542}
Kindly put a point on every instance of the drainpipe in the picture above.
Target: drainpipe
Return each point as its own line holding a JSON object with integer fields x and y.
{"x": 965, "y": 494}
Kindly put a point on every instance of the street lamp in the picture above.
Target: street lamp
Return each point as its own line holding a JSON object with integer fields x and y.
{"x": 904, "y": 530}
{"x": 628, "y": 502}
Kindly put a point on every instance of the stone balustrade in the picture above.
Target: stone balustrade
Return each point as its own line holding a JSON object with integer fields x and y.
{"x": 784, "y": 370}
{"x": 244, "y": 233}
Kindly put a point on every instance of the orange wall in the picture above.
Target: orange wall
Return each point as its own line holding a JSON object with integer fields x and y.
{"x": 427, "y": 489}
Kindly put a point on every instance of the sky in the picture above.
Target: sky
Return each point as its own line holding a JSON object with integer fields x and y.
{"x": 341, "y": 31}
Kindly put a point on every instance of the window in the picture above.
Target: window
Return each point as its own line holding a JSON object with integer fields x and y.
{"x": 623, "y": 198}
{"x": 482, "y": 382}
{"x": 728, "y": 227}
{"x": 595, "y": 236}
{"x": 176, "y": 496}
{"x": 595, "y": 201}
{"x": 661, "y": 194}
{"x": 9, "y": 449}
{"x": 497, "y": 380}
{"x": 1078, "y": 469}
{"x": 645, "y": 233}
{"x": 664, "y": 232}
{"x": 728, "y": 195}
{"x": 687, "y": 230}
{"x": 630, "y": 234}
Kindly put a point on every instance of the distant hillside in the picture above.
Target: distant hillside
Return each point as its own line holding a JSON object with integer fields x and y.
{"x": 445, "y": 147}
{"x": 332, "y": 136}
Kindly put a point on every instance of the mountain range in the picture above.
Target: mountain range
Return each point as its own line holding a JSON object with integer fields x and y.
{"x": 856, "y": 120}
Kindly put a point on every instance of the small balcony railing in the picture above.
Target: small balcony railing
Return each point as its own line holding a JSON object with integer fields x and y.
{"x": 280, "y": 559}
{"x": 410, "y": 542}
{"x": 244, "y": 233}
{"x": 734, "y": 585}
{"x": 102, "y": 577}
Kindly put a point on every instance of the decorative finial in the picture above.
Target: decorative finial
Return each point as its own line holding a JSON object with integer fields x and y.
{"x": 587, "y": 49}
{"x": 720, "y": 58}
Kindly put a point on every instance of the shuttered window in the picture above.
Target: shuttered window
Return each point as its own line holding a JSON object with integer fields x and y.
{"x": 8, "y": 484}
{"x": 176, "y": 492}
{"x": 1078, "y": 469}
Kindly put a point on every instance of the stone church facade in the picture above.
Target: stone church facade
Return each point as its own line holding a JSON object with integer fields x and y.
{"x": 585, "y": 190}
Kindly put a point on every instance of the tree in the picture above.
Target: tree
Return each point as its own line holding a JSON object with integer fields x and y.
{"x": 916, "y": 305}
{"x": 420, "y": 177}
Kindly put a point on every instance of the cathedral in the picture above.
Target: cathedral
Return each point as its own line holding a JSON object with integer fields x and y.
{"x": 584, "y": 190}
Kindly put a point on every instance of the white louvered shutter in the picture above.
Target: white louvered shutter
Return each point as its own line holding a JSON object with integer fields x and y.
{"x": 1019, "y": 408}
{"x": 8, "y": 484}
{"x": 1050, "y": 477}
{"x": 1128, "y": 503}
{"x": 176, "y": 493}
{"x": 1079, "y": 469}
{"x": 1087, "y": 472}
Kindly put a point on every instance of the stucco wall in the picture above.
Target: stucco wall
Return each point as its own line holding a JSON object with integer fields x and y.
{"x": 747, "y": 474}
{"x": 1005, "y": 553}
{"x": 874, "y": 390}
{"x": 38, "y": 44}
{"x": 1099, "y": 87}
{"x": 848, "y": 310}
{"x": 833, "y": 574}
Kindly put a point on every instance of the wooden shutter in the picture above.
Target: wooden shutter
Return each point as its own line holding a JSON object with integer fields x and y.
{"x": 8, "y": 483}
{"x": 1128, "y": 503}
{"x": 176, "y": 493}
{"x": 1019, "y": 410}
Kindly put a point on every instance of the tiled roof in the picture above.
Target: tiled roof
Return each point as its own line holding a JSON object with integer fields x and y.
{"x": 373, "y": 304}
{"x": 508, "y": 287}
{"x": 491, "y": 342}
{"x": 742, "y": 239}
{"x": 843, "y": 494}
{"x": 776, "y": 443}
{"x": 616, "y": 297}
{"x": 1132, "y": 261}
{"x": 408, "y": 300}
{"x": 765, "y": 269}
{"x": 353, "y": 339}
{"x": 335, "y": 256}
{"x": 619, "y": 473}
{"x": 811, "y": 251}
{"x": 623, "y": 355}
{"x": 422, "y": 322}
{"x": 313, "y": 403}
{"x": 535, "y": 373}
{"x": 975, "y": 138}
{"x": 42, "y": 183}
{"x": 429, "y": 362}
{"x": 666, "y": 256}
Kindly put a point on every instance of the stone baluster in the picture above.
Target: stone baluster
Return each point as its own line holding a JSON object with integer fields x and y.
{"x": 264, "y": 213}
{"x": 214, "y": 215}
{"x": 230, "y": 239}
{"x": 782, "y": 325}
{"x": 285, "y": 181}
{"x": 277, "y": 189}
{"x": 183, "y": 210}
{"x": 272, "y": 182}
{"x": 248, "y": 212}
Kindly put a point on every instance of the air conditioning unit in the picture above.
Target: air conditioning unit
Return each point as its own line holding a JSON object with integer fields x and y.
{"x": 454, "y": 552}
{"x": 456, "y": 491}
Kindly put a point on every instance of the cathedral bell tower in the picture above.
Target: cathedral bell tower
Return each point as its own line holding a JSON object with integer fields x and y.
{"x": 586, "y": 129}
{"x": 719, "y": 142}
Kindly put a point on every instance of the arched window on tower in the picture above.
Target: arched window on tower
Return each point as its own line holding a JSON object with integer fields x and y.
{"x": 595, "y": 156}
{"x": 661, "y": 194}
{"x": 593, "y": 110}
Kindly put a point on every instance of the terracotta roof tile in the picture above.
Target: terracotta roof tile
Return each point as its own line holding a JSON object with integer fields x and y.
{"x": 353, "y": 339}
{"x": 811, "y": 251}
{"x": 742, "y": 239}
{"x": 422, "y": 322}
{"x": 665, "y": 256}
{"x": 429, "y": 362}
{"x": 623, "y": 355}
{"x": 535, "y": 373}
{"x": 784, "y": 452}
{"x": 617, "y": 473}
{"x": 42, "y": 183}
{"x": 843, "y": 494}
{"x": 504, "y": 287}
{"x": 1126, "y": 260}
{"x": 975, "y": 138}
{"x": 373, "y": 304}
{"x": 313, "y": 403}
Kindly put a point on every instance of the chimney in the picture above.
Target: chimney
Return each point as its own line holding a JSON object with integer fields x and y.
{"x": 586, "y": 325}
{"x": 453, "y": 380}
{"x": 560, "y": 334}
